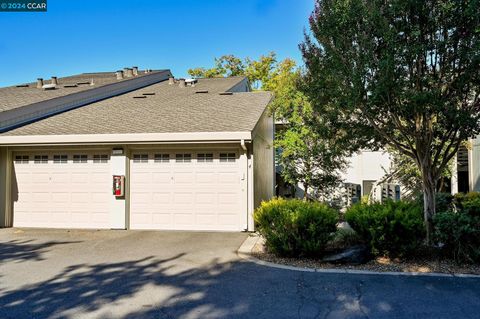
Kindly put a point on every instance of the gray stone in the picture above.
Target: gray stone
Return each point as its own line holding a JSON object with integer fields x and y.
{"x": 358, "y": 254}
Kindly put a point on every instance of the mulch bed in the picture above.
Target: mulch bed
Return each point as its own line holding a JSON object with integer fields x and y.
{"x": 382, "y": 264}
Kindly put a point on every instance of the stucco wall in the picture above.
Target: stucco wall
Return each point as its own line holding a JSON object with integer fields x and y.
{"x": 263, "y": 160}
{"x": 366, "y": 165}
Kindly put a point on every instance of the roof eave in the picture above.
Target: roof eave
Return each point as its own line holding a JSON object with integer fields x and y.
{"x": 138, "y": 138}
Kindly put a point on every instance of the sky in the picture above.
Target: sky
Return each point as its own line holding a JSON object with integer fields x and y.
{"x": 76, "y": 36}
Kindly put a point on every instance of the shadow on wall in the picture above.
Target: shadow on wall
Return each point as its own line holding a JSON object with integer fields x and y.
{"x": 24, "y": 250}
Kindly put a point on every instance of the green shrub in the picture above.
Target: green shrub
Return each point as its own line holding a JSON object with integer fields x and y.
{"x": 391, "y": 228}
{"x": 294, "y": 227}
{"x": 443, "y": 201}
{"x": 345, "y": 238}
{"x": 468, "y": 203}
{"x": 459, "y": 232}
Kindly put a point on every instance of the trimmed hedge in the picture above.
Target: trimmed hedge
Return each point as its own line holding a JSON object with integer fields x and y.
{"x": 391, "y": 228}
{"x": 294, "y": 228}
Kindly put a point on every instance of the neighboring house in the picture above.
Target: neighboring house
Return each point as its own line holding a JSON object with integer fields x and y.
{"x": 366, "y": 168}
{"x": 134, "y": 150}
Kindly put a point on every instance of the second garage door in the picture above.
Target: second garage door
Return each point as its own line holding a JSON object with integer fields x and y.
{"x": 186, "y": 190}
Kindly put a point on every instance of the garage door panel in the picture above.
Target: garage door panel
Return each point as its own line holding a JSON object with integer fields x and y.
{"x": 183, "y": 177}
{"x": 206, "y": 198}
{"x": 206, "y": 177}
{"x": 80, "y": 178}
{"x": 61, "y": 198}
{"x": 62, "y": 194}
{"x": 162, "y": 177}
{"x": 159, "y": 218}
{"x": 186, "y": 194}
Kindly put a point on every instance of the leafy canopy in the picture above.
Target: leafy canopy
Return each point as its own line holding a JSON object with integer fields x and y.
{"x": 398, "y": 73}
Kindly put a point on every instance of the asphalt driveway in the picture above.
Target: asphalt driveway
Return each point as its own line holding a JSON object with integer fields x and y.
{"x": 141, "y": 274}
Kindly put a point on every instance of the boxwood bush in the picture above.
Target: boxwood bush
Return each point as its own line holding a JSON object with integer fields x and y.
{"x": 294, "y": 228}
{"x": 390, "y": 228}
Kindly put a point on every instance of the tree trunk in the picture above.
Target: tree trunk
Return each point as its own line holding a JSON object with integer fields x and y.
{"x": 429, "y": 189}
{"x": 305, "y": 191}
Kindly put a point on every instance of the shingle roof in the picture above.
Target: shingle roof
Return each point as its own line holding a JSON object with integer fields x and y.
{"x": 170, "y": 110}
{"x": 13, "y": 96}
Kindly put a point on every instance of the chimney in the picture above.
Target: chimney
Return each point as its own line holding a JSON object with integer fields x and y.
{"x": 129, "y": 72}
{"x": 181, "y": 83}
{"x": 171, "y": 80}
{"x": 54, "y": 80}
{"x": 119, "y": 74}
{"x": 39, "y": 83}
{"x": 135, "y": 70}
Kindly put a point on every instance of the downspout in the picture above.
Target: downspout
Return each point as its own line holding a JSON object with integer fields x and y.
{"x": 242, "y": 144}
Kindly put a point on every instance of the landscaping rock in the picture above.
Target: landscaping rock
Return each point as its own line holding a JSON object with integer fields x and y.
{"x": 358, "y": 254}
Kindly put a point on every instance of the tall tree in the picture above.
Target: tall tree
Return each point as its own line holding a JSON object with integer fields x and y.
{"x": 258, "y": 72}
{"x": 402, "y": 73}
{"x": 305, "y": 157}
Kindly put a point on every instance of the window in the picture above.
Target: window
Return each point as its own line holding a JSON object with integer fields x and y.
{"x": 183, "y": 158}
{"x": 80, "y": 158}
{"x": 204, "y": 157}
{"x": 40, "y": 159}
{"x": 140, "y": 158}
{"x": 100, "y": 158}
{"x": 227, "y": 157}
{"x": 162, "y": 158}
{"x": 367, "y": 186}
{"x": 22, "y": 159}
{"x": 60, "y": 159}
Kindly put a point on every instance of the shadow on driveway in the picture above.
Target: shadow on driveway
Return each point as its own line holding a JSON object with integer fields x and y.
{"x": 17, "y": 250}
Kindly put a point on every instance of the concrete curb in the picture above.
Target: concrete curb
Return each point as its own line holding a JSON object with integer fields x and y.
{"x": 245, "y": 250}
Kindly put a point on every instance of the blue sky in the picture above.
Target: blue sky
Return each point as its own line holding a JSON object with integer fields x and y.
{"x": 77, "y": 36}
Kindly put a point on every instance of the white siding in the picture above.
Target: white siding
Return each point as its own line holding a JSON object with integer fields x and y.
{"x": 367, "y": 165}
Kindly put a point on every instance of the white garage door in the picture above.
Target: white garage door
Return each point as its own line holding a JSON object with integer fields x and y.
{"x": 61, "y": 189}
{"x": 186, "y": 190}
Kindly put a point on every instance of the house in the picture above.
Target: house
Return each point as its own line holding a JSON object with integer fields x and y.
{"x": 367, "y": 171}
{"x": 134, "y": 150}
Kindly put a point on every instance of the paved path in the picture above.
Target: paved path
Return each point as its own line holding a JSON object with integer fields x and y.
{"x": 137, "y": 274}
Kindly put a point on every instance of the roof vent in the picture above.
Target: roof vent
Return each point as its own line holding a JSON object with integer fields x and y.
{"x": 129, "y": 72}
{"x": 201, "y": 91}
{"x": 22, "y": 86}
{"x": 39, "y": 83}
{"x": 54, "y": 80}
{"x": 83, "y": 83}
{"x": 135, "y": 70}
{"x": 171, "y": 80}
{"x": 70, "y": 86}
{"x": 225, "y": 93}
{"x": 191, "y": 82}
{"x": 119, "y": 75}
{"x": 48, "y": 87}
{"x": 148, "y": 93}
{"x": 140, "y": 97}
{"x": 181, "y": 83}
